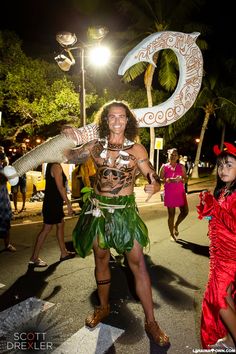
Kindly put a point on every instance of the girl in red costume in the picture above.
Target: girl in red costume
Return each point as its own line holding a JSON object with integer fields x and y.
{"x": 218, "y": 325}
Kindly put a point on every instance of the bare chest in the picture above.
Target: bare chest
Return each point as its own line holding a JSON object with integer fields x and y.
{"x": 116, "y": 170}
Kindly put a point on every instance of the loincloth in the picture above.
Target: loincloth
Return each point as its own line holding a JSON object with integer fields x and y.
{"x": 115, "y": 222}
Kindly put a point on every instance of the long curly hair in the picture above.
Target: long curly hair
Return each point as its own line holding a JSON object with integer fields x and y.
{"x": 131, "y": 130}
{"x": 223, "y": 157}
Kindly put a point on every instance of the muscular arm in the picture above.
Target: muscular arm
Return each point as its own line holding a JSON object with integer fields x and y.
{"x": 79, "y": 155}
{"x": 81, "y": 135}
{"x": 147, "y": 170}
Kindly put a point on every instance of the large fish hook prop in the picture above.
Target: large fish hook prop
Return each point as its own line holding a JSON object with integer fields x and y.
{"x": 190, "y": 77}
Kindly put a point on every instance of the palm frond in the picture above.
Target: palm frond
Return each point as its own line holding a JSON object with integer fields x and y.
{"x": 167, "y": 74}
{"x": 225, "y": 101}
{"x": 135, "y": 71}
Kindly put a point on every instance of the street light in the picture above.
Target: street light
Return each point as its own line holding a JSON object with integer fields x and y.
{"x": 101, "y": 54}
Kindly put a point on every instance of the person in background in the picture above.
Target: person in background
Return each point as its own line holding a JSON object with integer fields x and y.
{"x": 87, "y": 173}
{"x": 218, "y": 323}
{"x": 109, "y": 218}
{"x": 186, "y": 161}
{"x": 4, "y": 161}
{"x": 53, "y": 214}
{"x": 189, "y": 168}
{"x": 83, "y": 175}
{"x": 5, "y": 213}
{"x": 173, "y": 175}
{"x": 75, "y": 184}
{"x": 21, "y": 185}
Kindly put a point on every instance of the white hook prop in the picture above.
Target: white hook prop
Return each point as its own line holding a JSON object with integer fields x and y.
{"x": 190, "y": 75}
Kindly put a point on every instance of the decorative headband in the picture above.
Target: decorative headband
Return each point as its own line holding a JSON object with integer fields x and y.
{"x": 229, "y": 148}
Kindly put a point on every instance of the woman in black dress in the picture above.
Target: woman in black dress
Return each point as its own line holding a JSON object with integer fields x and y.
{"x": 55, "y": 195}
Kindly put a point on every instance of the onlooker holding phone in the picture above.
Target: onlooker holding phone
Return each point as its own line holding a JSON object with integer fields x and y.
{"x": 173, "y": 175}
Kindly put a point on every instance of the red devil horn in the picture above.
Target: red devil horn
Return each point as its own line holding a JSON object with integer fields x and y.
{"x": 216, "y": 150}
{"x": 230, "y": 148}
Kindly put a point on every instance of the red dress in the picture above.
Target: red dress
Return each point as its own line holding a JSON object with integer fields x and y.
{"x": 222, "y": 234}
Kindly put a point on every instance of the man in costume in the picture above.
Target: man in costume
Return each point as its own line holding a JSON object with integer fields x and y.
{"x": 109, "y": 218}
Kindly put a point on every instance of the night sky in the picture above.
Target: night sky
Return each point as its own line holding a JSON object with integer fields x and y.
{"x": 38, "y": 21}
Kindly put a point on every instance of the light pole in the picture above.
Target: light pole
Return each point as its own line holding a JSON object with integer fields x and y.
{"x": 82, "y": 89}
{"x": 67, "y": 40}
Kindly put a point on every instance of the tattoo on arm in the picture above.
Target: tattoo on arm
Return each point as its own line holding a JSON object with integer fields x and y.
{"x": 155, "y": 176}
{"x": 83, "y": 156}
{"x": 141, "y": 161}
{"x": 78, "y": 155}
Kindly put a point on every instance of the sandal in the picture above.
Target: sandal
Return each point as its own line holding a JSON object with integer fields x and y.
{"x": 222, "y": 343}
{"x": 156, "y": 334}
{"x": 11, "y": 248}
{"x": 68, "y": 256}
{"x": 22, "y": 209}
{"x": 173, "y": 238}
{"x": 38, "y": 263}
{"x": 176, "y": 232}
{"x": 99, "y": 313}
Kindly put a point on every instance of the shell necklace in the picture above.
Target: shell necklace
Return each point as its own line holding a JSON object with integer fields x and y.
{"x": 122, "y": 156}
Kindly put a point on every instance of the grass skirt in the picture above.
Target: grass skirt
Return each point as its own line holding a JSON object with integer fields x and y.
{"x": 113, "y": 220}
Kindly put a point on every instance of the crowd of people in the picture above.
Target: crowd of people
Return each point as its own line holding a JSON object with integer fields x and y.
{"x": 114, "y": 159}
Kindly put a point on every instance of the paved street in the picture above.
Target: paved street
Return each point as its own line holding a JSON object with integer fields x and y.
{"x": 55, "y": 300}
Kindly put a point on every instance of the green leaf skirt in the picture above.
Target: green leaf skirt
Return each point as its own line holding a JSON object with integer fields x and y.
{"x": 115, "y": 222}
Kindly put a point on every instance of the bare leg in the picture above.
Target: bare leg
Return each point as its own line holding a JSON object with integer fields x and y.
{"x": 102, "y": 273}
{"x": 40, "y": 241}
{"x": 14, "y": 197}
{"x": 23, "y": 200}
{"x": 171, "y": 218}
{"x": 228, "y": 315}
{"x": 60, "y": 238}
{"x": 142, "y": 281}
{"x": 182, "y": 215}
{"x": 229, "y": 318}
{"x": 103, "y": 278}
{"x": 144, "y": 291}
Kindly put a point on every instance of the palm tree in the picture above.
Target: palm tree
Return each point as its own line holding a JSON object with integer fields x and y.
{"x": 217, "y": 107}
{"x": 152, "y": 16}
